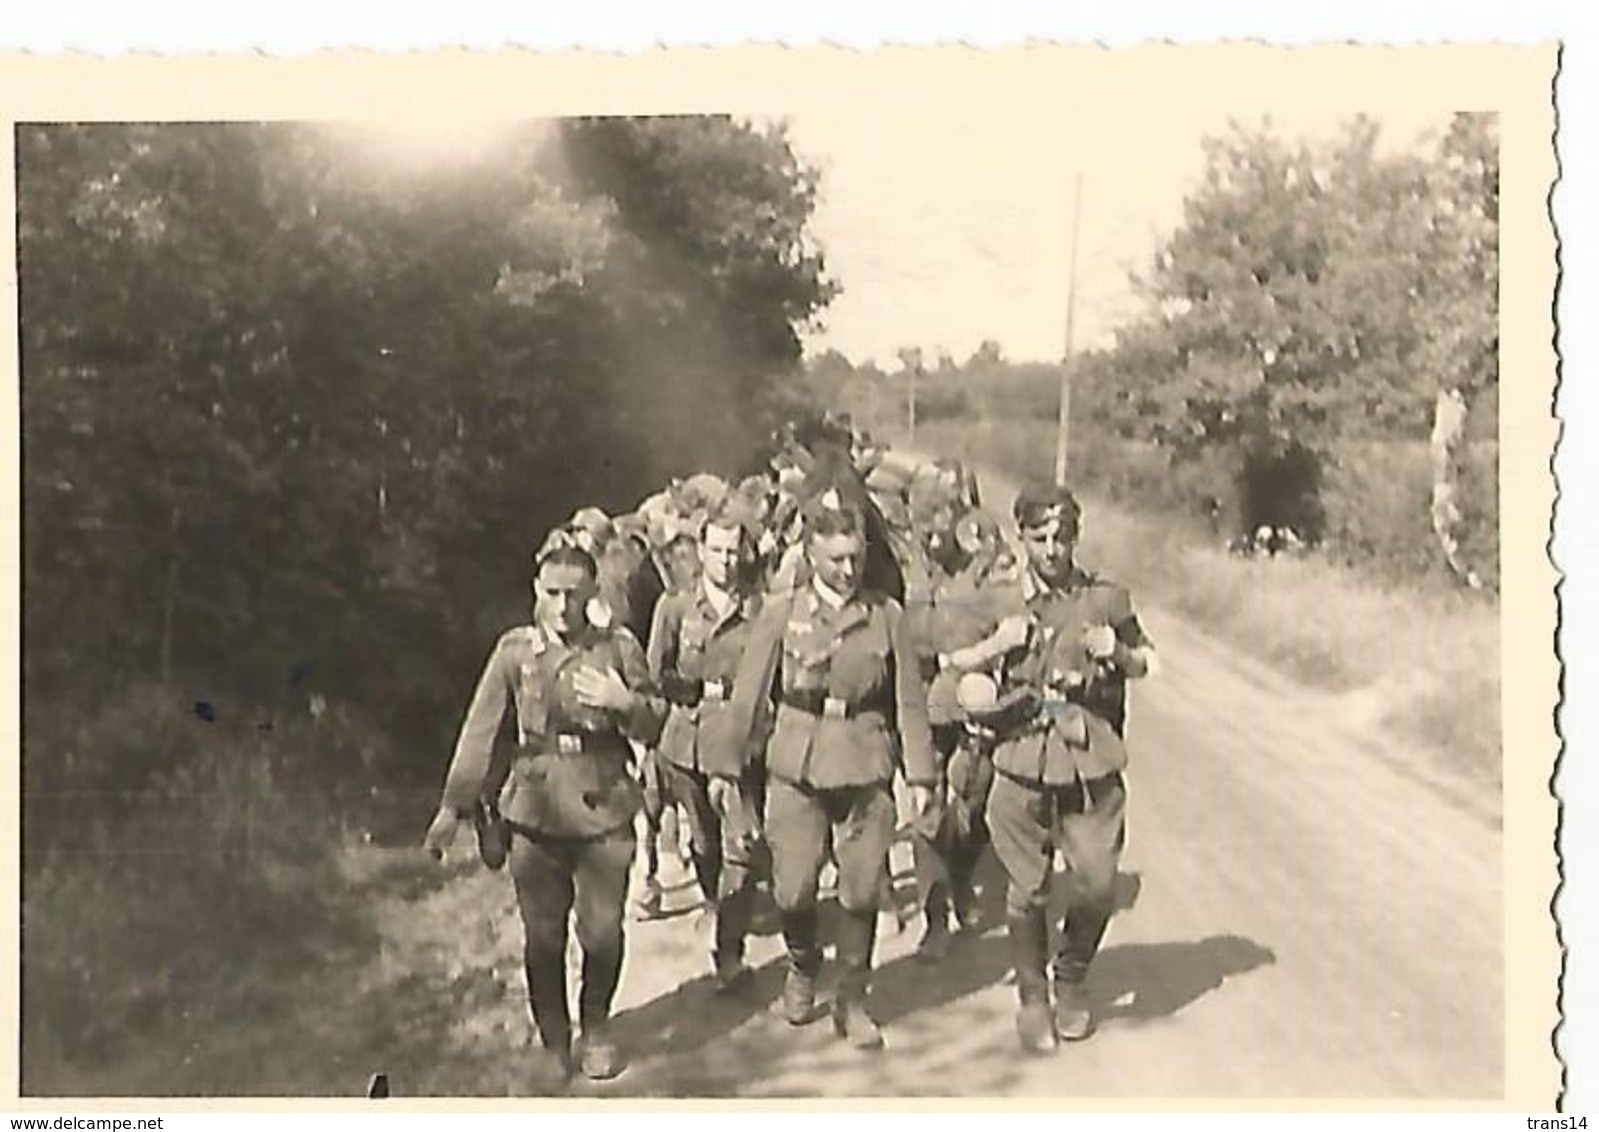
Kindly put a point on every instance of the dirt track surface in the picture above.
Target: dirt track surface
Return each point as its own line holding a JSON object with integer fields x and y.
{"x": 1309, "y": 917}
{"x": 1308, "y": 922}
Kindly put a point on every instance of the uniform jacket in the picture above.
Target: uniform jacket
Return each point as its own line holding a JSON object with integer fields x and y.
{"x": 860, "y": 657}
{"x": 947, "y": 612}
{"x": 1079, "y": 729}
{"x": 570, "y": 775}
{"x": 693, "y": 657}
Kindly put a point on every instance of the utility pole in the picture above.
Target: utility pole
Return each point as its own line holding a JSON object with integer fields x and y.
{"x": 910, "y": 360}
{"x": 1066, "y": 362}
{"x": 910, "y": 403}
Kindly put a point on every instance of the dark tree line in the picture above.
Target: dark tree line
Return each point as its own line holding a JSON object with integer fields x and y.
{"x": 295, "y": 415}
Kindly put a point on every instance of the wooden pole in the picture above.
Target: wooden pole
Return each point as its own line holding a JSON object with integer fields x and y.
{"x": 1066, "y": 362}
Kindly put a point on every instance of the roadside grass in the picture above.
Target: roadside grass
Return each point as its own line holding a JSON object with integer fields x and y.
{"x": 166, "y": 919}
{"x": 1419, "y": 657}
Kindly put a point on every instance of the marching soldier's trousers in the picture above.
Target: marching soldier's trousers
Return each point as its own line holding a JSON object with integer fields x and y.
{"x": 798, "y": 822}
{"x": 946, "y": 855}
{"x": 1085, "y": 822}
{"x": 723, "y": 850}
{"x": 553, "y": 877}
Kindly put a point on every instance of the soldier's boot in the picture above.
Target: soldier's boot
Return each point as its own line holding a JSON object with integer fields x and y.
{"x": 1081, "y": 936}
{"x": 546, "y": 985}
{"x": 799, "y": 998}
{"x": 549, "y": 1068}
{"x": 596, "y": 1053}
{"x": 968, "y": 916}
{"x": 708, "y": 874}
{"x": 851, "y": 1019}
{"x": 493, "y": 835}
{"x": 804, "y": 963}
{"x": 962, "y": 894}
{"x": 598, "y": 1056}
{"x": 732, "y": 917}
{"x": 853, "y": 1023}
{"x": 935, "y": 942}
{"x": 1029, "y": 942}
{"x": 1074, "y": 1014}
{"x": 1034, "y": 1028}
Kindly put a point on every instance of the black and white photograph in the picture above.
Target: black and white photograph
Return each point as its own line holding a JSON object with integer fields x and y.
{"x": 929, "y": 575}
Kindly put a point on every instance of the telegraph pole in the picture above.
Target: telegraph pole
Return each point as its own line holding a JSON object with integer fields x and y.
{"x": 1066, "y": 362}
{"x": 910, "y": 402}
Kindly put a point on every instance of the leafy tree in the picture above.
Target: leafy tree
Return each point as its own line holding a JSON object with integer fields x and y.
{"x": 294, "y": 416}
{"x": 1316, "y": 293}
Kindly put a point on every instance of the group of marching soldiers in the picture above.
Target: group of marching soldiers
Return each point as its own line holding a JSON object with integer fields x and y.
{"x": 772, "y": 658}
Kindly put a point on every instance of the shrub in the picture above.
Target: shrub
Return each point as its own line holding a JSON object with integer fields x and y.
{"x": 189, "y": 897}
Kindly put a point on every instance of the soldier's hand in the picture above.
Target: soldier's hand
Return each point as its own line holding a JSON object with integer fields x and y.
{"x": 1100, "y": 641}
{"x": 922, "y": 799}
{"x": 441, "y": 833}
{"x": 601, "y": 688}
{"x": 724, "y": 795}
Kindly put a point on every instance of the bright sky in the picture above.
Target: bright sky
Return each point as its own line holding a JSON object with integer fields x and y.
{"x": 944, "y": 231}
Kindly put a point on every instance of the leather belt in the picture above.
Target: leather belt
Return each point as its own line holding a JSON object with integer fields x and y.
{"x": 684, "y": 692}
{"x": 574, "y": 743}
{"x": 824, "y": 706}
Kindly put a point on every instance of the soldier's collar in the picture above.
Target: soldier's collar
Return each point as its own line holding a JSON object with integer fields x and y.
{"x": 717, "y": 598}
{"x": 827, "y": 595}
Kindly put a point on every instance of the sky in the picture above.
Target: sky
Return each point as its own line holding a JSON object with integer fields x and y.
{"x": 944, "y": 230}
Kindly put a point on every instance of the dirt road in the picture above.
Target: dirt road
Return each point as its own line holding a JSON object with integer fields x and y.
{"x": 1311, "y": 918}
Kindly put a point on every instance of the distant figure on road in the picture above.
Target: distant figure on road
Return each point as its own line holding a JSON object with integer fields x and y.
{"x": 1060, "y": 712}
{"x": 580, "y": 693}
{"x": 834, "y": 663}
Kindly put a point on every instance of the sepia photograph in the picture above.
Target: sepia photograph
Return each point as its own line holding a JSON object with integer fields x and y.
{"x": 927, "y": 575}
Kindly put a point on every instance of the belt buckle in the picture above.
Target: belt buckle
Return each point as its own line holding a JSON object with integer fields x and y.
{"x": 834, "y": 708}
{"x": 714, "y": 690}
{"x": 569, "y": 744}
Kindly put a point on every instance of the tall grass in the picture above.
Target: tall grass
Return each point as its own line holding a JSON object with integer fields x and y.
{"x": 189, "y": 902}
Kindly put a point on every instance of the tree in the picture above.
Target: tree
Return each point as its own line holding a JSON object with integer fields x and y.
{"x": 1321, "y": 292}
{"x": 289, "y": 407}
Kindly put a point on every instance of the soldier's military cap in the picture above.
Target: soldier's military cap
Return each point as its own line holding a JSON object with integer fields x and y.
{"x": 1037, "y": 507}
{"x": 558, "y": 539}
{"x": 634, "y": 527}
{"x": 832, "y": 512}
{"x": 701, "y": 491}
{"x": 592, "y": 520}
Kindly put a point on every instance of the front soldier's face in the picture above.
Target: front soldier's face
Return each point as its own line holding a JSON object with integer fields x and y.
{"x": 560, "y": 593}
{"x": 720, "y": 551}
{"x": 1049, "y": 550}
{"x": 836, "y": 561}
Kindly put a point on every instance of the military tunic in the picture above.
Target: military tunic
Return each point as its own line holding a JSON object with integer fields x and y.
{"x": 570, "y": 801}
{"x": 950, "y": 612}
{"x": 1059, "y": 761}
{"x": 694, "y": 653}
{"x": 570, "y": 774}
{"x": 841, "y": 681}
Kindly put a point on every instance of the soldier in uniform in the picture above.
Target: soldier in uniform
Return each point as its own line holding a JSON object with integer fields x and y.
{"x": 953, "y": 602}
{"x": 835, "y": 665}
{"x": 694, "y": 650}
{"x": 1059, "y": 790}
{"x": 580, "y": 694}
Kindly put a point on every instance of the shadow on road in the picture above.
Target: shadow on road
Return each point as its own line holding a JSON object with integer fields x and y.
{"x": 693, "y": 1015}
{"x": 1141, "y": 981}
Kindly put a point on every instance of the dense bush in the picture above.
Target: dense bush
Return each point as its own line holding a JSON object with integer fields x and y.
{"x": 162, "y": 907}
